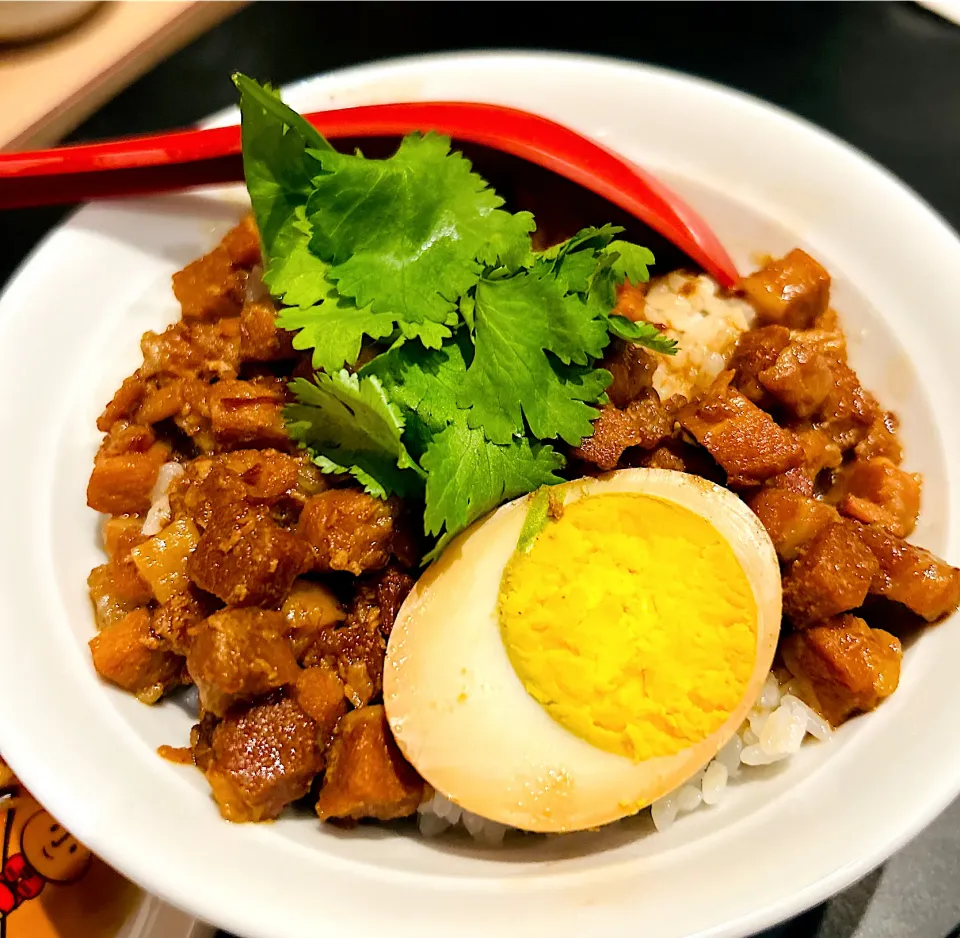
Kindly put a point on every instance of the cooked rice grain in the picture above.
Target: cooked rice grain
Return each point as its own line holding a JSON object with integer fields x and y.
{"x": 706, "y": 323}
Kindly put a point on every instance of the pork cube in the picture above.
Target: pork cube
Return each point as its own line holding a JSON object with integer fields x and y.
{"x": 210, "y": 287}
{"x": 246, "y": 559}
{"x": 799, "y": 380}
{"x": 242, "y": 243}
{"x": 109, "y": 606}
{"x": 880, "y": 492}
{"x": 881, "y": 439}
{"x": 757, "y": 350}
{"x": 129, "y": 654}
{"x": 261, "y": 340}
{"x": 848, "y": 411}
{"x": 393, "y": 586}
{"x": 193, "y": 350}
{"x": 842, "y": 666}
{"x": 632, "y": 368}
{"x": 258, "y": 759}
{"x": 791, "y": 291}
{"x": 122, "y": 535}
{"x": 247, "y": 413}
{"x": 208, "y": 488}
{"x": 162, "y": 402}
{"x": 367, "y": 776}
{"x": 239, "y": 653}
{"x": 743, "y": 439}
{"x": 161, "y": 560}
{"x": 832, "y": 574}
{"x": 912, "y": 576}
{"x": 348, "y": 530}
{"x": 267, "y": 474}
{"x": 358, "y": 649}
{"x": 124, "y": 403}
{"x": 319, "y": 694}
{"x": 645, "y": 422}
{"x": 175, "y": 619}
{"x": 121, "y": 484}
{"x": 791, "y": 520}
{"x": 309, "y": 609}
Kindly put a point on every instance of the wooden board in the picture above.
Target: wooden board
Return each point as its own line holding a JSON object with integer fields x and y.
{"x": 48, "y": 87}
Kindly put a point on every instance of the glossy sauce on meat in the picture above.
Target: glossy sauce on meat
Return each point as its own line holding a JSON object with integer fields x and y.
{"x": 273, "y": 588}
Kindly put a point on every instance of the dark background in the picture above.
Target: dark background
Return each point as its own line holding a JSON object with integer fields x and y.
{"x": 883, "y": 76}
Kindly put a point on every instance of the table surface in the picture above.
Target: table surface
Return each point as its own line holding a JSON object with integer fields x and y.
{"x": 883, "y": 76}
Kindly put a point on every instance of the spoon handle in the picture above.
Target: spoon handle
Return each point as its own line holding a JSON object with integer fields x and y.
{"x": 191, "y": 158}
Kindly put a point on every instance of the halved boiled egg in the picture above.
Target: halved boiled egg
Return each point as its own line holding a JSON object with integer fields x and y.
{"x": 559, "y": 669}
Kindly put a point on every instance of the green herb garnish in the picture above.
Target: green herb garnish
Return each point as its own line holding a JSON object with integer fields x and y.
{"x": 480, "y": 353}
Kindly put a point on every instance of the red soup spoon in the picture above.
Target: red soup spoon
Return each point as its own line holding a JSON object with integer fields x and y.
{"x": 190, "y": 158}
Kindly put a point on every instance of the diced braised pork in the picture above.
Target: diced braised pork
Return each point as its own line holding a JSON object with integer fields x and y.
{"x": 236, "y": 654}
{"x": 161, "y": 560}
{"x": 791, "y": 520}
{"x": 309, "y": 609}
{"x": 757, "y": 351}
{"x": 881, "y": 440}
{"x": 799, "y": 380}
{"x": 247, "y": 413}
{"x": 260, "y": 338}
{"x": 319, "y": 694}
{"x": 357, "y": 648}
{"x": 258, "y": 759}
{"x": 129, "y": 654}
{"x": 246, "y": 559}
{"x": 393, "y": 586}
{"x": 210, "y": 287}
{"x": 348, "y": 530}
{"x": 192, "y": 350}
{"x": 842, "y": 666}
{"x": 109, "y": 606}
{"x": 743, "y": 439}
{"x": 645, "y": 422}
{"x": 632, "y": 368}
{"x": 880, "y": 492}
{"x": 242, "y": 243}
{"x": 367, "y": 776}
{"x": 125, "y": 471}
{"x": 121, "y": 536}
{"x": 174, "y": 620}
{"x": 848, "y": 411}
{"x": 832, "y": 574}
{"x": 790, "y": 291}
{"x": 912, "y": 576}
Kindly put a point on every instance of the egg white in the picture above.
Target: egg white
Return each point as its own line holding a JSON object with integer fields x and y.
{"x": 465, "y": 721}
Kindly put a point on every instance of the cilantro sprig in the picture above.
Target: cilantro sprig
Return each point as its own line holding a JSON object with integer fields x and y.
{"x": 481, "y": 354}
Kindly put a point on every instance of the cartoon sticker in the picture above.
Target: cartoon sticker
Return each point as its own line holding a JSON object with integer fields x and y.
{"x": 51, "y": 886}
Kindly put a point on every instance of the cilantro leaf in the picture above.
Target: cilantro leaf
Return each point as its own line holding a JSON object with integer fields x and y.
{"x": 409, "y": 235}
{"x": 424, "y": 384}
{"x": 468, "y": 476}
{"x": 643, "y": 333}
{"x": 334, "y": 329}
{"x": 349, "y": 425}
{"x": 518, "y": 320}
{"x": 276, "y": 166}
{"x": 632, "y": 261}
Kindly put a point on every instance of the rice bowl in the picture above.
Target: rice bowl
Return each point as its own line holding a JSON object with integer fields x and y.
{"x": 549, "y": 904}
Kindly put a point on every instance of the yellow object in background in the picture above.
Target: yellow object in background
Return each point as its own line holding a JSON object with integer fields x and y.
{"x": 51, "y": 886}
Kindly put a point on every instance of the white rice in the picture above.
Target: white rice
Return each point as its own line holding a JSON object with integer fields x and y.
{"x": 158, "y": 517}
{"x": 706, "y": 324}
{"x": 773, "y": 731}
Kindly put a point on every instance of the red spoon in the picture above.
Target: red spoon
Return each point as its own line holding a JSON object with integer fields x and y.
{"x": 190, "y": 158}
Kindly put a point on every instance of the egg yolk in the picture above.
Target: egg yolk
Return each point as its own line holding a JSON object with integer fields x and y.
{"x": 632, "y": 622}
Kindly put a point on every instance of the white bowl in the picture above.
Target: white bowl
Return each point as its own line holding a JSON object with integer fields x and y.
{"x": 69, "y": 329}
